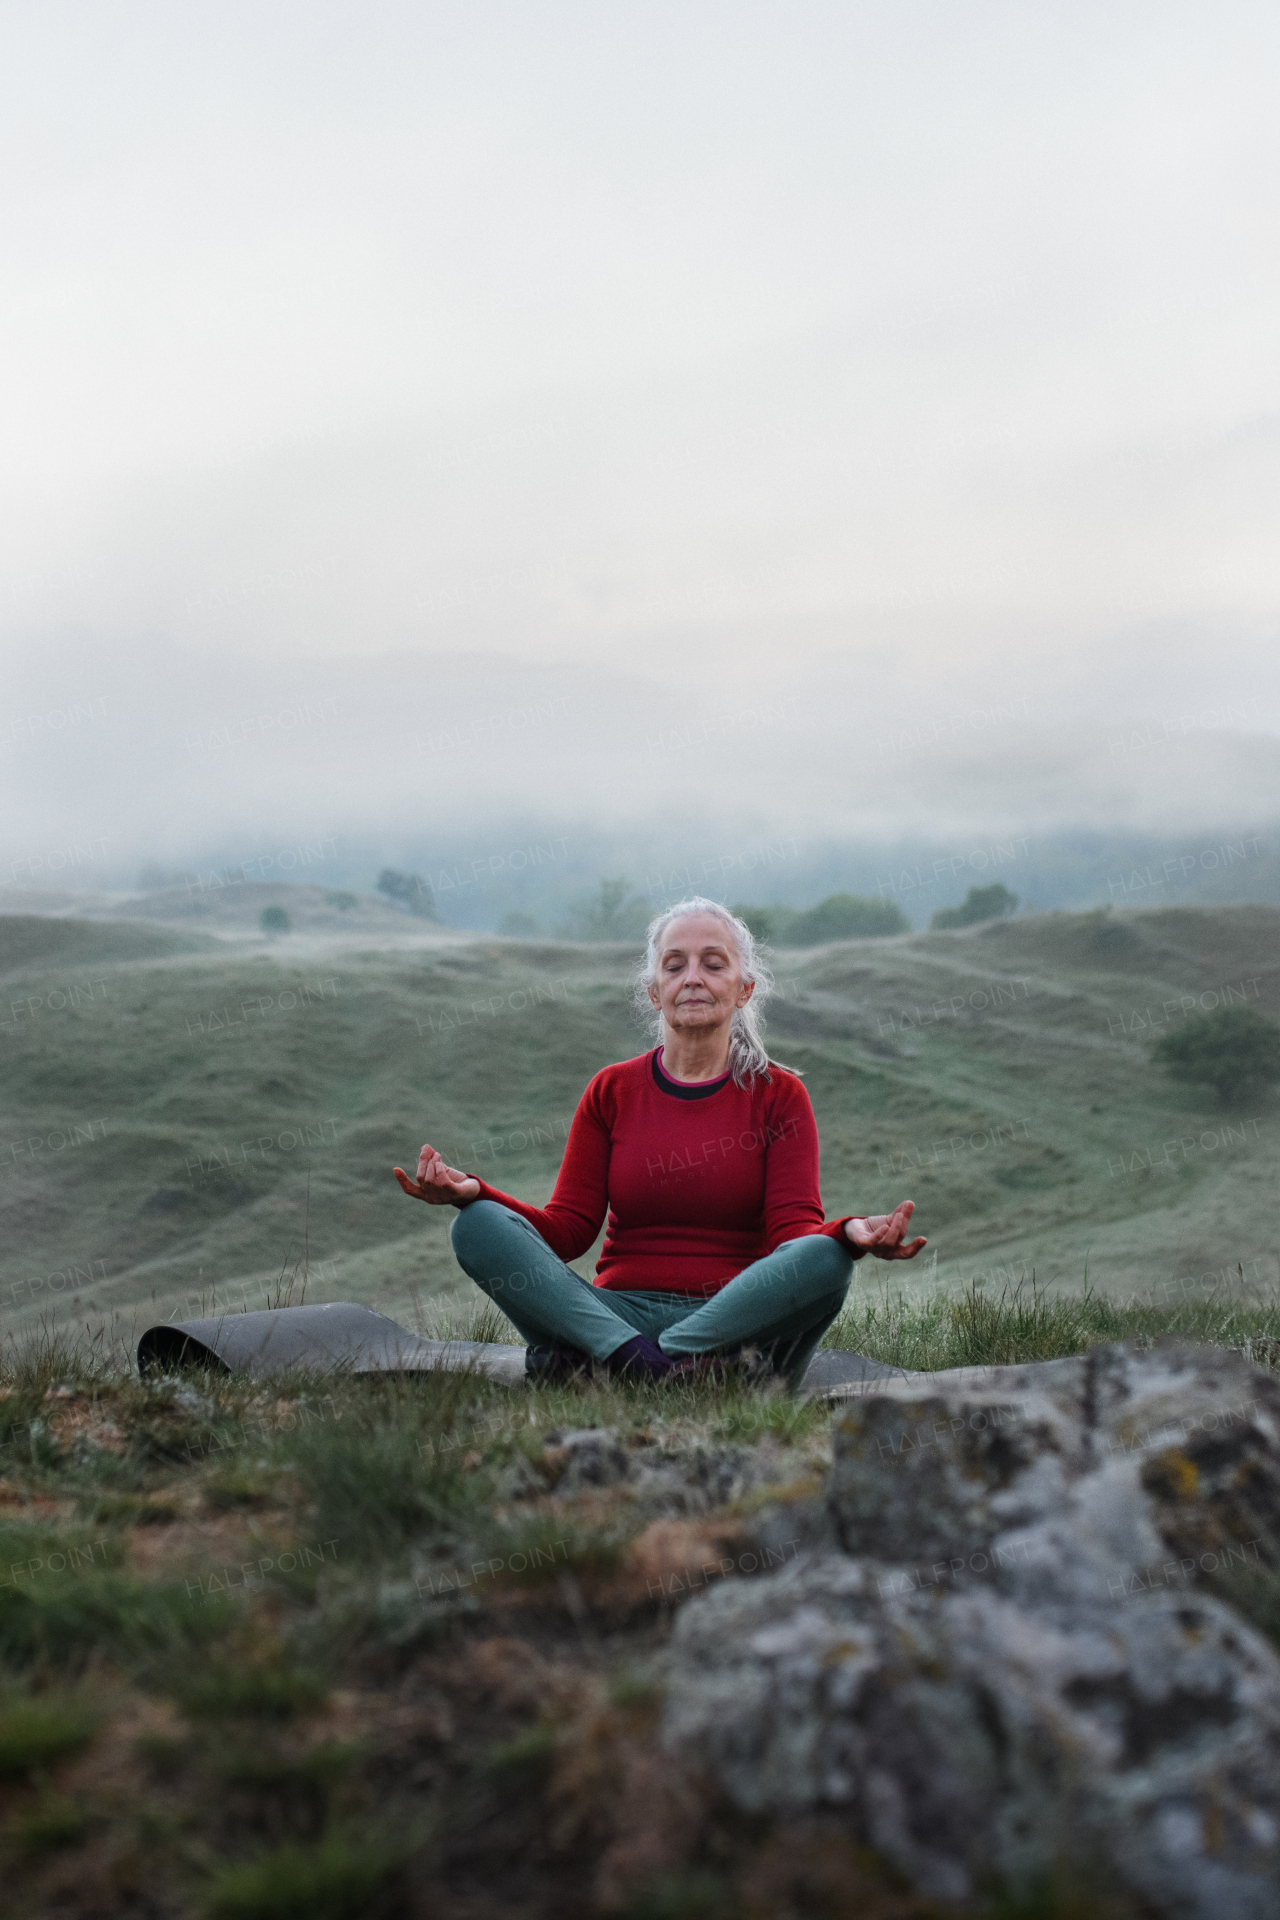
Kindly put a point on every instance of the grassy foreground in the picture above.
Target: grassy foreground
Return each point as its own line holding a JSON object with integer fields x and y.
{"x": 360, "y": 1647}
{"x": 352, "y": 1647}
{"x": 356, "y": 1647}
{"x": 1024, "y": 1322}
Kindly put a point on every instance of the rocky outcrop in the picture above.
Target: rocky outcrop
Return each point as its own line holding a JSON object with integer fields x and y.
{"x": 1018, "y": 1645}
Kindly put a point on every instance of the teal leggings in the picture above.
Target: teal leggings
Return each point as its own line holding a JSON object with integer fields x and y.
{"x": 782, "y": 1304}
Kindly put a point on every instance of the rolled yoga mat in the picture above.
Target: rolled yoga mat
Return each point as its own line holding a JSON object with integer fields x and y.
{"x": 338, "y": 1338}
{"x": 343, "y": 1337}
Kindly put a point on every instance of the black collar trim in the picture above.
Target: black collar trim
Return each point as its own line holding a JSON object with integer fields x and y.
{"x": 679, "y": 1090}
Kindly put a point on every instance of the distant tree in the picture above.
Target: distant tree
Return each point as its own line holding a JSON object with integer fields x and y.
{"x": 980, "y": 903}
{"x": 518, "y": 926}
{"x": 1233, "y": 1050}
{"x": 613, "y": 915}
{"x": 608, "y": 915}
{"x": 410, "y": 891}
{"x": 848, "y": 916}
{"x": 274, "y": 920}
{"x": 773, "y": 925}
{"x": 841, "y": 916}
{"x": 342, "y": 901}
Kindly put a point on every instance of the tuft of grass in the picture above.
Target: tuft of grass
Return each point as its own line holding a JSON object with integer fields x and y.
{"x": 1026, "y": 1322}
{"x": 30, "y": 1366}
{"x": 340, "y": 1878}
{"x": 746, "y": 1415}
{"x": 698, "y": 1894}
{"x": 37, "y": 1553}
{"x": 39, "y": 1729}
{"x": 224, "y": 1690}
{"x": 55, "y": 1821}
{"x": 316, "y": 1773}
{"x": 481, "y": 1322}
{"x": 63, "y": 1624}
{"x": 47, "y": 1356}
{"x": 133, "y": 1509}
{"x": 238, "y": 1486}
{"x": 378, "y": 1478}
{"x": 527, "y": 1752}
{"x": 162, "y": 1433}
{"x": 1071, "y": 1892}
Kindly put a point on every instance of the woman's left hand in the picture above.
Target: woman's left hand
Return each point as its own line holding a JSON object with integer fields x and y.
{"x": 884, "y": 1234}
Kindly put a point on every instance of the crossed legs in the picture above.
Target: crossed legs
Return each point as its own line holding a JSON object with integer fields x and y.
{"x": 783, "y": 1303}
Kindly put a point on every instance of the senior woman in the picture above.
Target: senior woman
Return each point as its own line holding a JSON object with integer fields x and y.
{"x": 703, "y": 1153}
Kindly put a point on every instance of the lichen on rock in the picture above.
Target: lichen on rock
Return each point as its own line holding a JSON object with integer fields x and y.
{"x": 1010, "y": 1646}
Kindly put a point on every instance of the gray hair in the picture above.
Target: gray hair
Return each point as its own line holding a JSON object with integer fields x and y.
{"x": 747, "y": 1055}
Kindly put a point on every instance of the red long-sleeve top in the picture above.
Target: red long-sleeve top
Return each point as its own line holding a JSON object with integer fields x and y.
{"x": 698, "y": 1181}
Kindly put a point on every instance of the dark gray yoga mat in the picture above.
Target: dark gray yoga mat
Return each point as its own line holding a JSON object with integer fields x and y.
{"x": 353, "y": 1339}
{"x": 830, "y": 1367}
{"x": 339, "y": 1337}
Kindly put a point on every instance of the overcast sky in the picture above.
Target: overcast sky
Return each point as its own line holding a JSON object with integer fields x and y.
{"x": 899, "y": 359}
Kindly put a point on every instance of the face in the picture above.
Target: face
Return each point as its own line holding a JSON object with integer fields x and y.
{"x": 699, "y": 979}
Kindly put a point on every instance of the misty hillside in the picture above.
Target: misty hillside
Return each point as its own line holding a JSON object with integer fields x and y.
{"x": 170, "y": 1101}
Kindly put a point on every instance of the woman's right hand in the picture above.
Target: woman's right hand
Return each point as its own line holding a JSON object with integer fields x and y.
{"x": 438, "y": 1185}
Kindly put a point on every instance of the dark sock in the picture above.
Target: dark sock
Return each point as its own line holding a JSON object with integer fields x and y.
{"x": 554, "y": 1366}
{"x": 640, "y": 1359}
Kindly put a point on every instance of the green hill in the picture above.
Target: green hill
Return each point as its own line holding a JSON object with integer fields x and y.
{"x": 166, "y": 1113}
{"x": 30, "y": 942}
{"x": 219, "y": 902}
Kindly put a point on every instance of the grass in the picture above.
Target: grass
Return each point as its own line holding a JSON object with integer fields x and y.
{"x": 341, "y": 1878}
{"x": 470, "y": 1321}
{"x": 314, "y": 1774}
{"x": 381, "y": 1475}
{"x": 226, "y": 1654}
{"x": 39, "y": 1729}
{"x": 252, "y": 1690}
{"x": 461, "y": 1647}
{"x": 529, "y": 1751}
{"x": 67, "y": 1624}
{"x": 1027, "y": 1322}
{"x": 685, "y": 1896}
{"x": 54, "y": 1821}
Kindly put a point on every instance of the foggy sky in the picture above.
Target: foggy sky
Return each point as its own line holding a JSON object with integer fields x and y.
{"x": 879, "y": 369}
